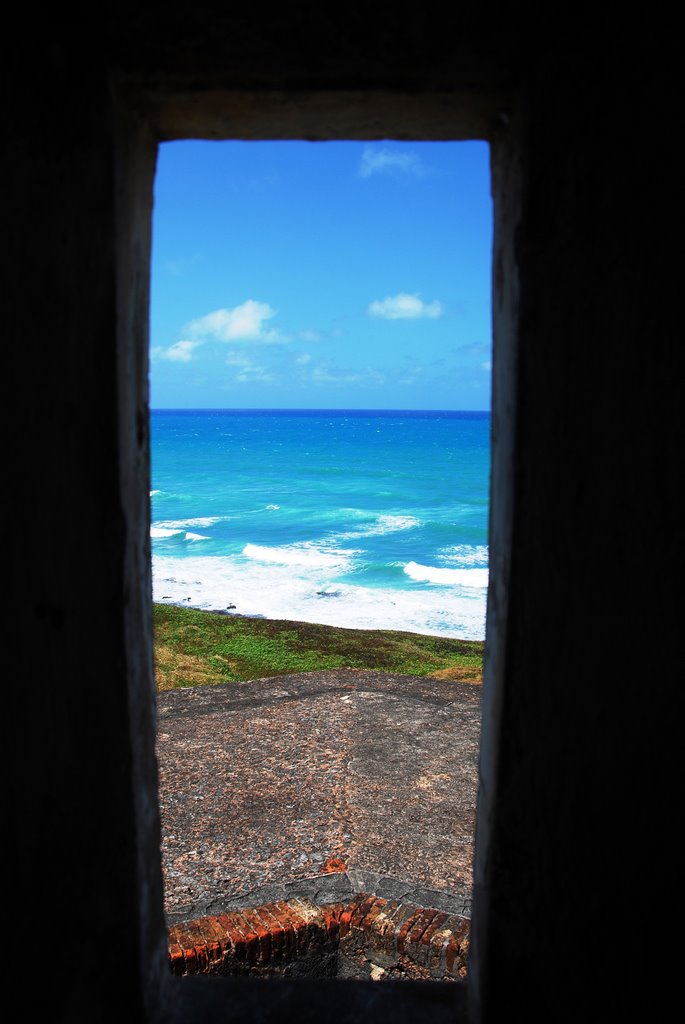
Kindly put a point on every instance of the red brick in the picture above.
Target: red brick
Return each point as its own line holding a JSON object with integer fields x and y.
{"x": 387, "y": 930}
{"x": 250, "y": 937}
{"x": 437, "y": 923}
{"x": 184, "y": 937}
{"x": 218, "y": 931}
{"x": 213, "y": 936}
{"x": 427, "y": 942}
{"x": 176, "y": 957}
{"x": 190, "y": 959}
{"x": 290, "y": 924}
{"x": 367, "y": 923}
{"x": 331, "y": 919}
{"x": 173, "y": 938}
{"x": 177, "y": 962}
{"x": 263, "y": 933}
{"x": 347, "y": 914}
{"x": 438, "y": 946}
{"x": 405, "y": 928}
{"x": 298, "y": 926}
{"x": 419, "y": 927}
{"x": 202, "y": 959}
{"x": 313, "y": 930}
{"x": 456, "y": 950}
{"x": 186, "y": 940}
{"x": 224, "y": 923}
{"x": 451, "y": 952}
{"x": 221, "y": 934}
{"x": 235, "y": 934}
{"x": 423, "y": 944}
{"x": 194, "y": 949}
{"x": 361, "y": 911}
{"x": 194, "y": 932}
{"x": 399, "y": 916}
{"x": 459, "y": 926}
{"x": 270, "y": 917}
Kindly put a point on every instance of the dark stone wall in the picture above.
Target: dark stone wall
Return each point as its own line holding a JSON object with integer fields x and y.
{"x": 579, "y": 794}
{"x": 72, "y": 837}
{"x": 583, "y": 837}
{"x": 584, "y": 830}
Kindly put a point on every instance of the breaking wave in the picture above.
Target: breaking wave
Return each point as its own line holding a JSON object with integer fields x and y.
{"x": 450, "y": 577}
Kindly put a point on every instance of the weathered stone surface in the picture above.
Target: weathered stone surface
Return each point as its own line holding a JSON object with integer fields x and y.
{"x": 265, "y": 785}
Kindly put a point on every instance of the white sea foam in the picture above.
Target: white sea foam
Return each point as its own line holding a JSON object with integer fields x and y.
{"x": 451, "y": 577}
{"x": 310, "y": 593}
{"x": 158, "y": 532}
{"x": 384, "y": 524}
{"x": 465, "y": 554}
{"x": 152, "y": 493}
{"x": 307, "y": 554}
{"x": 163, "y": 532}
{"x": 272, "y": 508}
{"x": 184, "y": 524}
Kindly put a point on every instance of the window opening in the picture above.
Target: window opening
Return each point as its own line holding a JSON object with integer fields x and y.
{"x": 320, "y": 391}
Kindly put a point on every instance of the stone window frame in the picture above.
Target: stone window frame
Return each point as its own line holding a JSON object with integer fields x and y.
{"x": 147, "y": 118}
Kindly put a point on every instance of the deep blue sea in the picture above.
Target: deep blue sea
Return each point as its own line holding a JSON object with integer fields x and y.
{"x": 357, "y": 519}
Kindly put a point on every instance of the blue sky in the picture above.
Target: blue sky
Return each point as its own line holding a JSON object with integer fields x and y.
{"x": 321, "y": 275}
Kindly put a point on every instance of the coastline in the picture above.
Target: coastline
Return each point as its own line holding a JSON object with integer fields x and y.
{"x": 223, "y": 586}
{"x": 204, "y": 646}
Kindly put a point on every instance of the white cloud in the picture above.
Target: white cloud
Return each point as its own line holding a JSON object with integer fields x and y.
{"x": 325, "y": 373}
{"x": 255, "y": 375}
{"x": 411, "y": 375}
{"x": 383, "y": 161}
{"x": 242, "y": 323}
{"x": 239, "y": 359}
{"x": 248, "y": 370}
{"x": 181, "y": 352}
{"x": 404, "y": 307}
{"x": 303, "y": 359}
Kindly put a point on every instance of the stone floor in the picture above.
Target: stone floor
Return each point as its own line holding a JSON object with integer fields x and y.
{"x": 319, "y": 784}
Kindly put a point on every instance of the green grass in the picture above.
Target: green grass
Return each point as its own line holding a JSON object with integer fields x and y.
{"x": 196, "y": 648}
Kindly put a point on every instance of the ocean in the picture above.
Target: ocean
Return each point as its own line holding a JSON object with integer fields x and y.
{"x": 366, "y": 519}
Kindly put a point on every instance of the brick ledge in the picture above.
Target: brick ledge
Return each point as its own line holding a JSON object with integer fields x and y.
{"x": 366, "y": 937}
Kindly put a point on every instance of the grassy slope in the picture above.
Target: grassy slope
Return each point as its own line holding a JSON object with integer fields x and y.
{"x": 195, "y": 648}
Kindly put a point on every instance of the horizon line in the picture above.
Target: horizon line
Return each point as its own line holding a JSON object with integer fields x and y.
{"x": 303, "y": 408}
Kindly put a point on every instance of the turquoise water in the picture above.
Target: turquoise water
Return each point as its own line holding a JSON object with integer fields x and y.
{"x": 360, "y": 519}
